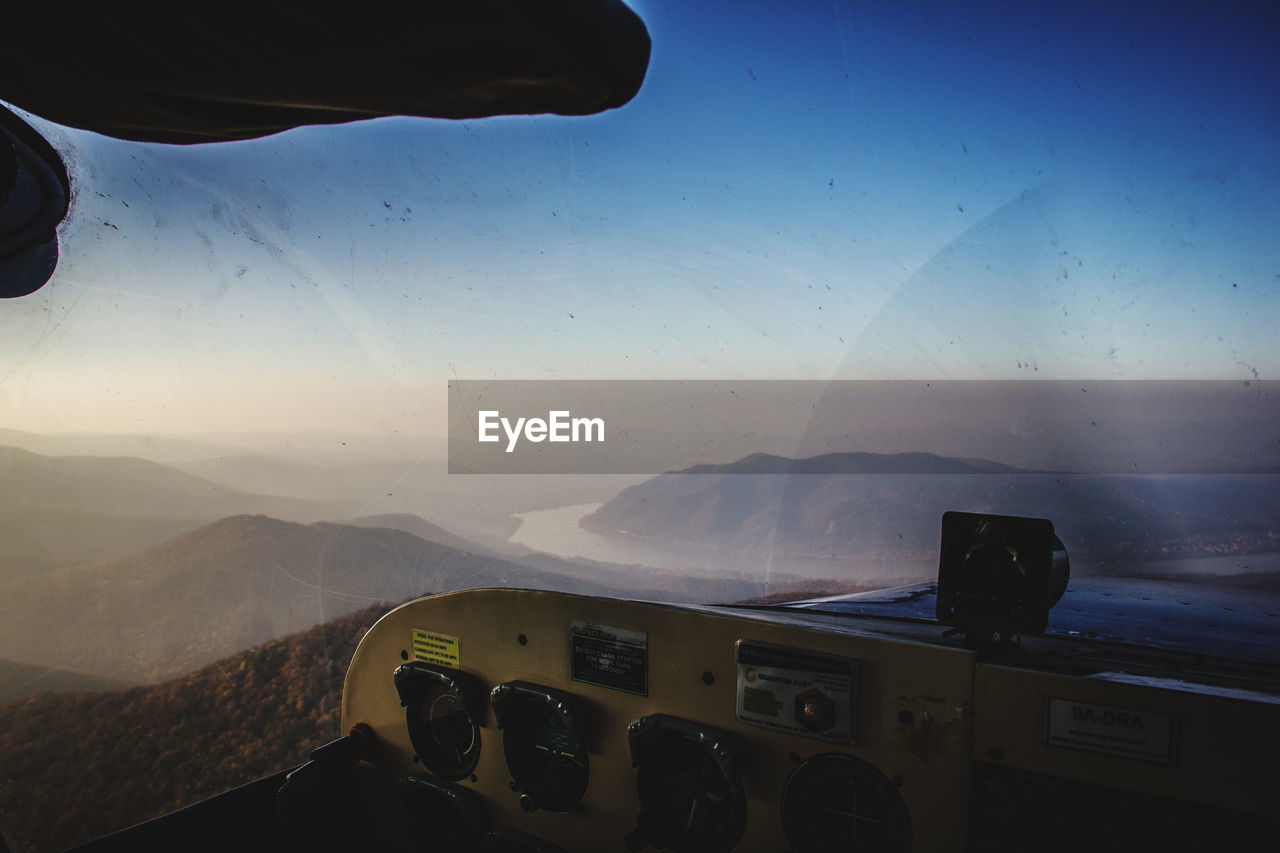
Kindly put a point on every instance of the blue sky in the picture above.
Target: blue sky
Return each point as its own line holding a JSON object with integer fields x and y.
{"x": 799, "y": 190}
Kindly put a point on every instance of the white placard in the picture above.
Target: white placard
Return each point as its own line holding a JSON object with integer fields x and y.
{"x": 1124, "y": 732}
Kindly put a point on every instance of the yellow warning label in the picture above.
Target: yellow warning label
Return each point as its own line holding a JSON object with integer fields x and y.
{"x": 439, "y": 649}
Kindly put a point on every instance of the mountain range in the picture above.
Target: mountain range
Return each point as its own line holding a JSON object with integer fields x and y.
{"x": 238, "y": 582}
{"x": 830, "y": 464}
{"x": 23, "y": 679}
{"x": 60, "y": 510}
{"x": 858, "y": 508}
{"x": 329, "y": 476}
{"x": 129, "y": 486}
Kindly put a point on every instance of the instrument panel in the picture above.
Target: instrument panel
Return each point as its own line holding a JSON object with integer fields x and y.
{"x": 535, "y": 720}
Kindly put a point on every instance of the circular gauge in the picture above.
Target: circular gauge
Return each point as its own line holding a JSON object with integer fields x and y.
{"x": 837, "y": 802}
{"x": 544, "y": 741}
{"x": 690, "y": 788}
{"x": 439, "y": 815}
{"x": 441, "y": 727}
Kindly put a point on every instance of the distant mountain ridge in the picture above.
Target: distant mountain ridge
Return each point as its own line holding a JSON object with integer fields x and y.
{"x": 59, "y": 510}
{"x": 22, "y": 679}
{"x": 127, "y": 486}
{"x": 868, "y": 512}
{"x": 420, "y": 527}
{"x": 40, "y": 540}
{"x": 307, "y": 477}
{"x": 241, "y": 581}
{"x": 856, "y": 463}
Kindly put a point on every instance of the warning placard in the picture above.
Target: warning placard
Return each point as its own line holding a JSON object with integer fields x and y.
{"x": 791, "y": 690}
{"x": 617, "y": 658}
{"x": 439, "y": 649}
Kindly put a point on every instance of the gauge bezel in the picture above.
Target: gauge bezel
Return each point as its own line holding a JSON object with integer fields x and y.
{"x": 522, "y": 709}
{"x": 721, "y": 750}
{"x": 449, "y": 816}
{"x": 415, "y": 681}
{"x": 803, "y": 834}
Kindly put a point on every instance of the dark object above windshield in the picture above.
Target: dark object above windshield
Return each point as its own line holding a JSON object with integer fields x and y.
{"x": 34, "y": 192}
{"x": 227, "y": 76}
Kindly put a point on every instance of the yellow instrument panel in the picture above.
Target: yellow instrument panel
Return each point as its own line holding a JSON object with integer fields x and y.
{"x": 579, "y": 723}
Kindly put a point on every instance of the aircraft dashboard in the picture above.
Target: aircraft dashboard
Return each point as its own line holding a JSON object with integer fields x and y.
{"x": 507, "y": 719}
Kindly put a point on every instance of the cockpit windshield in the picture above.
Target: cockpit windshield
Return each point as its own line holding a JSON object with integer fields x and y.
{"x": 980, "y": 257}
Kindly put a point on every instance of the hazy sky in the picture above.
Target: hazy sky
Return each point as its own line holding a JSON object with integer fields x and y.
{"x": 800, "y": 190}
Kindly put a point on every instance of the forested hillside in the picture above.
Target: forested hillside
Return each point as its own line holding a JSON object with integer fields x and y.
{"x": 75, "y": 766}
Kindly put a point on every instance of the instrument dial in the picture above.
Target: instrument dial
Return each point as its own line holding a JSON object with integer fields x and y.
{"x": 690, "y": 786}
{"x": 439, "y": 713}
{"x": 545, "y": 744}
{"x": 836, "y": 802}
